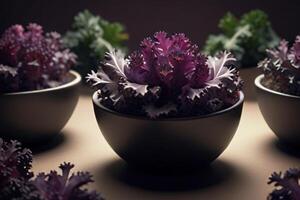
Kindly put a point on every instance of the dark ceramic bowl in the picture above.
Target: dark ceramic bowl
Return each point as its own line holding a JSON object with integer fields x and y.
{"x": 32, "y": 116}
{"x": 174, "y": 143}
{"x": 280, "y": 111}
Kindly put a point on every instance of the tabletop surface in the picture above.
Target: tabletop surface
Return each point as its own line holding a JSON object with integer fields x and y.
{"x": 240, "y": 173}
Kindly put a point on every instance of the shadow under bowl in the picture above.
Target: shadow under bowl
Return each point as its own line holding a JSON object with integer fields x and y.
{"x": 36, "y": 116}
{"x": 280, "y": 111}
{"x": 169, "y": 143}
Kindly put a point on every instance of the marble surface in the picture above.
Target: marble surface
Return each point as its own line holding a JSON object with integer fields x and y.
{"x": 241, "y": 172}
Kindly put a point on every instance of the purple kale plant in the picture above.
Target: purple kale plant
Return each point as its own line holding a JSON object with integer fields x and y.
{"x": 282, "y": 68}
{"x": 31, "y": 59}
{"x": 17, "y": 182}
{"x": 53, "y": 186}
{"x": 167, "y": 77}
{"x": 15, "y": 165}
{"x": 287, "y": 185}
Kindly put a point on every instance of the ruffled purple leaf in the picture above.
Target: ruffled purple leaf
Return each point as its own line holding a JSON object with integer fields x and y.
{"x": 137, "y": 71}
{"x": 176, "y": 62}
{"x": 213, "y": 73}
{"x": 295, "y": 53}
{"x": 200, "y": 75}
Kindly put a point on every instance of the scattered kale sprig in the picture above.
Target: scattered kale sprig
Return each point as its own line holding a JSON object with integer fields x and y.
{"x": 167, "y": 76}
{"x": 282, "y": 68}
{"x": 247, "y": 37}
{"x": 17, "y": 182}
{"x": 90, "y": 37}
{"x": 31, "y": 59}
{"x": 287, "y": 185}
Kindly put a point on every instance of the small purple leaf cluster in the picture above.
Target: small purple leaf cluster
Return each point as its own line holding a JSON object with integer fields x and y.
{"x": 18, "y": 182}
{"x": 15, "y": 165}
{"x": 282, "y": 68}
{"x": 31, "y": 59}
{"x": 167, "y": 77}
{"x": 287, "y": 185}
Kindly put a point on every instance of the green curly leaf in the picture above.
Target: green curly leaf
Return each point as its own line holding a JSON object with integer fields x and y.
{"x": 247, "y": 38}
{"x": 91, "y": 36}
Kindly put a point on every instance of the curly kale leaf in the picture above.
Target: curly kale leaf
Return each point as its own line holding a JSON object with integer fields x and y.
{"x": 91, "y": 36}
{"x": 247, "y": 37}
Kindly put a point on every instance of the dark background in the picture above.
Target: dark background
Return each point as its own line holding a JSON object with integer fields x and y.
{"x": 195, "y": 18}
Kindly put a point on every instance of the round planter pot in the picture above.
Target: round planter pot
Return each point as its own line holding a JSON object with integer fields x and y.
{"x": 174, "y": 143}
{"x": 280, "y": 111}
{"x": 248, "y": 75}
{"x": 37, "y": 115}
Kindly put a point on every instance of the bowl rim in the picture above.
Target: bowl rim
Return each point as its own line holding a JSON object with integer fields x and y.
{"x": 240, "y": 101}
{"x": 71, "y": 83}
{"x": 258, "y": 84}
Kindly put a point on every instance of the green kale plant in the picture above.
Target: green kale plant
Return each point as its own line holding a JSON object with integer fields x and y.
{"x": 90, "y": 37}
{"x": 247, "y": 38}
